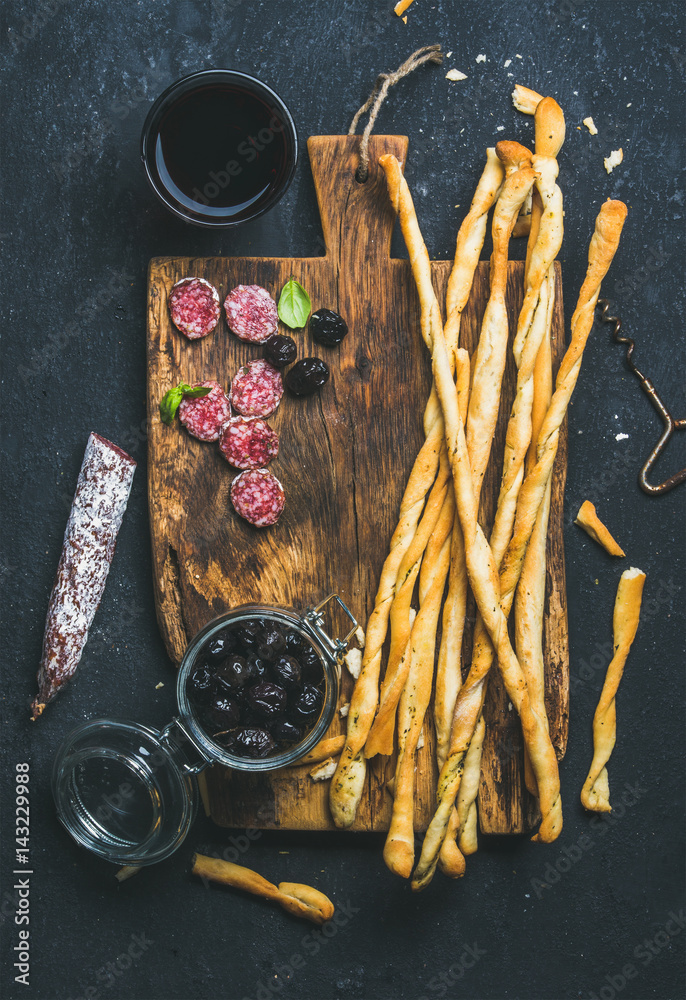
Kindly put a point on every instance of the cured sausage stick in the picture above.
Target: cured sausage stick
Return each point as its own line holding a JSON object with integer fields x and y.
{"x": 595, "y": 795}
{"x": 348, "y": 781}
{"x": 533, "y": 326}
{"x": 102, "y": 492}
{"x": 603, "y": 246}
{"x": 487, "y": 377}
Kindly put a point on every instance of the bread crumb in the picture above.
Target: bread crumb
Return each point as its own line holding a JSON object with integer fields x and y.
{"x": 621, "y": 437}
{"x": 517, "y": 56}
{"x": 613, "y": 160}
{"x": 590, "y": 125}
{"x": 448, "y": 54}
{"x": 360, "y": 636}
{"x": 481, "y": 57}
{"x": 500, "y": 128}
{"x": 405, "y": 19}
{"x": 344, "y": 709}
{"x": 420, "y": 741}
{"x": 454, "y": 74}
{"x": 353, "y": 661}
{"x": 324, "y": 771}
{"x": 158, "y": 686}
{"x": 508, "y": 62}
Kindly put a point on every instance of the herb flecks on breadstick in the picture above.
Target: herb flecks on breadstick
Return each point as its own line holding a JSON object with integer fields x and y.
{"x": 588, "y": 519}
{"x": 300, "y": 900}
{"x": 595, "y": 794}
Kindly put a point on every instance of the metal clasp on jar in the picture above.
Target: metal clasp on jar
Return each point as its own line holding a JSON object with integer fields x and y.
{"x": 314, "y": 619}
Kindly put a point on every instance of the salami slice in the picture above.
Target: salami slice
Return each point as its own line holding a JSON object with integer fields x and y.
{"x": 249, "y": 444}
{"x": 194, "y": 307}
{"x": 251, "y": 313}
{"x": 102, "y": 492}
{"x": 206, "y": 417}
{"x": 258, "y": 496}
{"x": 257, "y": 389}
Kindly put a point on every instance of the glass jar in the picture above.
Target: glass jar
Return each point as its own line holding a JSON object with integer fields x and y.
{"x": 129, "y": 793}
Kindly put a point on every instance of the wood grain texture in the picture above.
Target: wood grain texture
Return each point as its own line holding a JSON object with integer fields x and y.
{"x": 344, "y": 459}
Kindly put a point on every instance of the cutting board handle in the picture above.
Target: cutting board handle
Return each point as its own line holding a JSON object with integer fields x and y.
{"x": 357, "y": 218}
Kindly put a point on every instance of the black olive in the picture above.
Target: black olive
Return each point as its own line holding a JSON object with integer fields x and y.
{"x": 286, "y": 671}
{"x": 249, "y": 635}
{"x": 311, "y": 664}
{"x": 200, "y": 685}
{"x": 307, "y": 704}
{"x": 327, "y": 327}
{"x": 306, "y": 376}
{"x": 234, "y": 673}
{"x": 280, "y": 351}
{"x": 223, "y": 713}
{"x": 286, "y": 731}
{"x": 252, "y": 741}
{"x": 220, "y": 645}
{"x": 272, "y": 645}
{"x": 295, "y": 643}
{"x": 267, "y": 699}
{"x": 257, "y": 665}
{"x": 225, "y": 739}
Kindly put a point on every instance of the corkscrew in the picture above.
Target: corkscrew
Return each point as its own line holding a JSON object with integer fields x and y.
{"x": 670, "y": 424}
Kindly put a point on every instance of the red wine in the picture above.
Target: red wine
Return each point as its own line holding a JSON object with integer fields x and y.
{"x": 221, "y": 151}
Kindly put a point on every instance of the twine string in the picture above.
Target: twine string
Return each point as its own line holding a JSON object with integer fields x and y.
{"x": 384, "y": 82}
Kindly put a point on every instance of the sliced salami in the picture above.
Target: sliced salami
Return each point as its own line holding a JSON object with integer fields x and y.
{"x": 258, "y": 496}
{"x": 249, "y": 444}
{"x": 251, "y": 313}
{"x": 206, "y": 417}
{"x": 194, "y": 307}
{"x": 257, "y": 389}
{"x": 102, "y": 492}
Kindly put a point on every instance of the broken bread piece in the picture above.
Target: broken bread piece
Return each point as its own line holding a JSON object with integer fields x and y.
{"x": 525, "y": 100}
{"x": 593, "y": 526}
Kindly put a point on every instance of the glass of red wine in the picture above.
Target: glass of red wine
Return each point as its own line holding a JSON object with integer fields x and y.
{"x": 219, "y": 148}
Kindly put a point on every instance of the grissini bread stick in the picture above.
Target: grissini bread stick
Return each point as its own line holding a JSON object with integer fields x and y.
{"x": 416, "y": 694}
{"x": 298, "y": 899}
{"x": 533, "y": 325}
{"x": 595, "y": 795}
{"x": 603, "y": 246}
{"x": 486, "y": 380}
{"x": 588, "y": 519}
{"x": 469, "y": 243}
{"x": 348, "y": 782}
{"x": 525, "y": 100}
{"x": 480, "y": 564}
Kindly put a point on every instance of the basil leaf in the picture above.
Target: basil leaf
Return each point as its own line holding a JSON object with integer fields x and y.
{"x": 170, "y": 404}
{"x": 172, "y": 399}
{"x": 294, "y": 305}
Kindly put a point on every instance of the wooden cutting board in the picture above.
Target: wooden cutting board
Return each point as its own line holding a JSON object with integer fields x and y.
{"x": 344, "y": 460}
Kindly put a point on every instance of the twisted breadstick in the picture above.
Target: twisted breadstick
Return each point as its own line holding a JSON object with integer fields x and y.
{"x": 533, "y": 324}
{"x": 480, "y": 564}
{"x": 470, "y": 240}
{"x": 602, "y": 248}
{"x": 595, "y": 794}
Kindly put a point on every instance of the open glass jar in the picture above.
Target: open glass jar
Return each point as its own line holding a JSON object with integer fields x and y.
{"x": 129, "y": 793}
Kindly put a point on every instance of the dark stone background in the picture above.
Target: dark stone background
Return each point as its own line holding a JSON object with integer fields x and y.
{"x": 79, "y": 225}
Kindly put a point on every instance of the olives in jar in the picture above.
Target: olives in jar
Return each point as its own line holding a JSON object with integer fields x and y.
{"x": 306, "y": 376}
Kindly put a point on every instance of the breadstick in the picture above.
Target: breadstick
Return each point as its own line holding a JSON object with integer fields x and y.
{"x": 533, "y": 325}
{"x": 480, "y": 564}
{"x": 300, "y": 900}
{"x": 601, "y": 251}
{"x": 329, "y": 747}
{"x": 525, "y": 100}
{"x": 595, "y": 794}
{"x": 414, "y": 701}
{"x": 470, "y": 240}
{"x": 593, "y": 526}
